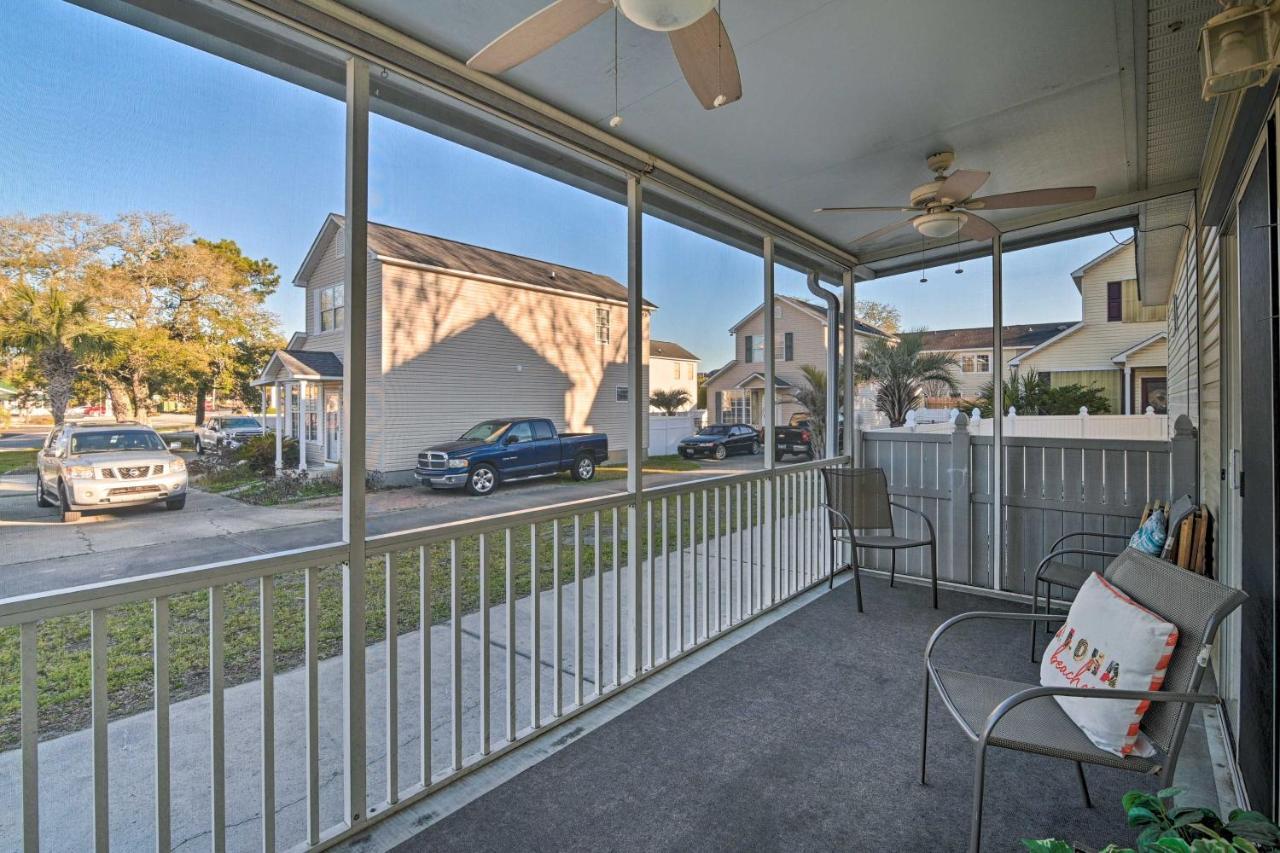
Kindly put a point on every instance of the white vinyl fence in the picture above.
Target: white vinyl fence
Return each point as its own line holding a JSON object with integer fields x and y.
{"x": 665, "y": 431}
{"x": 1147, "y": 427}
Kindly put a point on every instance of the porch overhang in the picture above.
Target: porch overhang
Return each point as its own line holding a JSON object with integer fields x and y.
{"x": 294, "y": 365}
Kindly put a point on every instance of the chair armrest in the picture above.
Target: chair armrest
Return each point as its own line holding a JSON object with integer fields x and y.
{"x": 1090, "y": 693}
{"x": 928, "y": 521}
{"x": 1089, "y": 552}
{"x": 1066, "y": 536}
{"x": 848, "y": 525}
{"x": 985, "y": 614}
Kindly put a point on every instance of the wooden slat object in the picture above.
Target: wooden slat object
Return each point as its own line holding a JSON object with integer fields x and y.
{"x": 1184, "y": 542}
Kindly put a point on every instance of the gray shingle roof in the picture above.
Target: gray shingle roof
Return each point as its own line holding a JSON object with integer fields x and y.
{"x": 390, "y": 242}
{"x": 319, "y": 362}
{"x": 1022, "y": 335}
{"x": 669, "y": 349}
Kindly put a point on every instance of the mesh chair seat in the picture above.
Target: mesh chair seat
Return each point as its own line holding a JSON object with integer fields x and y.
{"x": 1039, "y": 726}
{"x": 887, "y": 541}
{"x": 1064, "y": 574}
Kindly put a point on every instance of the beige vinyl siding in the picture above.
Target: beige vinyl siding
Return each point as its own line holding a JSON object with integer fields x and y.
{"x": 1111, "y": 383}
{"x": 458, "y": 350}
{"x": 972, "y": 384}
{"x": 672, "y": 374}
{"x": 1154, "y": 354}
{"x": 329, "y": 271}
{"x": 1210, "y": 373}
{"x": 1183, "y": 346}
{"x": 1133, "y": 311}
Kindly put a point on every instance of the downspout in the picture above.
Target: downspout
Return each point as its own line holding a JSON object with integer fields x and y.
{"x": 833, "y": 347}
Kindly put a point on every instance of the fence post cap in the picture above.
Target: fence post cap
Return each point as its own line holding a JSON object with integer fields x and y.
{"x": 1013, "y": 411}
{"x": 975, "y": 414}
{"x": 961, "y": 422}
{"x": 1084, "y": 411}
{"x": 1182, "y": 426}
{"x": 1151, "y": 411}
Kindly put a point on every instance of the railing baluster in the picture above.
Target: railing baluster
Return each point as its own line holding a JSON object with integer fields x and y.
{"x": 160, "y": 678}
{"x": 680, "y": 574}
{"x": 217, "y": 720}
{"x": 390, "y": 633}
{"x": 706, "y": 574}
{"x": 509, "y": 564}
{"x": 267, "y": 667}
{"x": 483, "y": 544}
{"x": 312, "y": 657}
{"x": 719, "y": 563}
{"x": 455, "y": 661}
{"x": 617, "y": 601}
{"x": 535, "y": 630}
{"x": 98, "y": 707}
{"x": 30, "y": 737}
{"x": 653, "y": 582}
{"x": 578, "y": 611}
{"x": 424, "y": 664}
{"x": 599, "y": 614}
{"x": 737, "y": 574}
{"x": 557, "y": 626}
{"x": 666, "y": 587}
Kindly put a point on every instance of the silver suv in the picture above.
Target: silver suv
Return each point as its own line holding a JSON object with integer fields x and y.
{"x": 95, "y": 467}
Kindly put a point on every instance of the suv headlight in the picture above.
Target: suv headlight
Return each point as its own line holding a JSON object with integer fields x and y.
{"x": 80, "y": 472}
{"x": 178, "y": 464}
{"x": 459, "y": 463}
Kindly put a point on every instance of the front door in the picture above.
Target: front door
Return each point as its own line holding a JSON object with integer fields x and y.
{"x": 1256, "y": 269}
{"x": 1155, "y": 394}
{"x": 333, "y": 425}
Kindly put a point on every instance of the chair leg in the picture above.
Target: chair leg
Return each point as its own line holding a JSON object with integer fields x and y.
{"x": 1048, "y": 607}
{"x": 857, "y": 578}
{"x": 831, "y": 581}
{"x": 924, "y": 729}
{"x": 933, "y": 569}
{"x": 979, "y": 788}
{"x": 1084, "y": 786}
{"x": 893, "y": 566}
{"x": 1035, "y": 608}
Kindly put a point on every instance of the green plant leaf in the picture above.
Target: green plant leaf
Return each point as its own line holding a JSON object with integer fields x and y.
{"x": 1255, "y": 827}
{"x": 1048, "y": 845}
{"x": 1244, "y": 844}
{"x": 1141, "y": 798}
{"x": 1174, "y": 844}
{"x": 1142, "y": 816}
{"x": 1169, "y": 793}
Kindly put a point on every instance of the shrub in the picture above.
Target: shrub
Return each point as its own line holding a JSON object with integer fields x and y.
{"x": 259, "y": 453}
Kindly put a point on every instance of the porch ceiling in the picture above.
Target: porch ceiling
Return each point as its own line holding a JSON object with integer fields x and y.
{"x": 843, "y": 101}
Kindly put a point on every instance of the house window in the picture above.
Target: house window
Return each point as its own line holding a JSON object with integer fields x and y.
{"x": 975, "y": 363}
{"x": 622, "y": 393}
{"x": 311, "y": 417}
{"x": 1045, "y": 377}
{"x": 602, "y": 325}
{"x": 740, "y": 408}
{"x": 748, "y": 348}
{"x": 1115, "y": 309}
{"x": 331, "y": 308}
{"x": 789, "y": 346}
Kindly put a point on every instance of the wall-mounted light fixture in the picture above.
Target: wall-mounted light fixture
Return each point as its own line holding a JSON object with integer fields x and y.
{"x": 1237, "y": 48}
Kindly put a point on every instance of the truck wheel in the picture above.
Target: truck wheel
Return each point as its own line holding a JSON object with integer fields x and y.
{"x": 720, "y": 452}
{"x": 41, "y": 500}
{"x": 755, "y": 448}
{"x": 68, "y": 514}
{"x": 482, "y": 480}
{"x": 176, "y": 503}
{"x": 199, "y": 446}
{"x": 584, "y": 467}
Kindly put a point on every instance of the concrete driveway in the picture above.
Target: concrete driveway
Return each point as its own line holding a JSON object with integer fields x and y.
{"x": 38, "y": 552}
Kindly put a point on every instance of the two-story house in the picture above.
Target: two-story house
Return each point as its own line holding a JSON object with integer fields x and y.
{"x": 1119, "y": 345}
{"x": 456, "y": 333}
{"x": 735, "y": 392}
{"x": 972, "y": 349}
{"x": 673, "y": 368}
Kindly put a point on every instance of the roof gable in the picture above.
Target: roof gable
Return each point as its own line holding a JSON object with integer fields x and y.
{"x": 817, "y": 312}
{"x": 669, "y": 349}
{"x": 977, "y": 337}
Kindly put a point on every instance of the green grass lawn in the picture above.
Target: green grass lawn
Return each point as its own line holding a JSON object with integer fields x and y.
{"x": 63, "y": 647}
{"x": 668, "y": 464}
{"x": 17, "y": 461}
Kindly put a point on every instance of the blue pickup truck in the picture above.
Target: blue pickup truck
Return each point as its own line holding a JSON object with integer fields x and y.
{"x": 504, "y": 449}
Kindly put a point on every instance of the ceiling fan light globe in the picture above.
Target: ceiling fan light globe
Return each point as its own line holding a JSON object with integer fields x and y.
{"x": 940, "y": 225}
{"x": 664, "y": 15}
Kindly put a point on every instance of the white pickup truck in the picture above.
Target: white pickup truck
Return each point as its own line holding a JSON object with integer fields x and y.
{"x": 226, "y": 431}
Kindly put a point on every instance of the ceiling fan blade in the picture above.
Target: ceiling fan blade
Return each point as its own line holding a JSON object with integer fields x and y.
{"x": 707, "y": 61}
{"x": 536, "y": 33}
{"x": 961, "y": 184}
{"x": 881, "y": 232}
{"x": 1033, "y": 198}
{"x": 977, "y": 228}
{"x": 864, "y": 210}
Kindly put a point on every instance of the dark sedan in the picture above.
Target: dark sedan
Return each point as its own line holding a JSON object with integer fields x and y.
{"x": 719, "y": 440}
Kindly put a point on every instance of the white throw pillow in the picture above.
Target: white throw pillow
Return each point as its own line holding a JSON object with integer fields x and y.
{"x": 1109, "y": 641}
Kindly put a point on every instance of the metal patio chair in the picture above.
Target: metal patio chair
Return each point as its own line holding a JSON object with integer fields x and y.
{"x": 1055, "y": 571}
{"x": 858, "y": 500}
{"x": 994, "y": 711}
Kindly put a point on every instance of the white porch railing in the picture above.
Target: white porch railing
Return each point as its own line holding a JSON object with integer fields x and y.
{"x": 523, "y": 620}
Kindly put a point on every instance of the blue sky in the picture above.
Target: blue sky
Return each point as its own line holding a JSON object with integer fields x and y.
{"x": 105, "y": 118}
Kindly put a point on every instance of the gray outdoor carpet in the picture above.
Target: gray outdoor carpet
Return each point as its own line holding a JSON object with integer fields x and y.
{"x": 804, "y": 737}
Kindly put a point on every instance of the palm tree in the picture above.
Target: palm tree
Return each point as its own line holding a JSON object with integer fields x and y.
{"x": 899, "y": 369}
{"x": 671, "y": 401}
{"x": 53, "y": 329}
{"x": 814, "y": 400}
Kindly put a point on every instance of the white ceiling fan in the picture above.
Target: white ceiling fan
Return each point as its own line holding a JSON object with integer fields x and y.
{"x": 697, "y": 35}
{"x": 945, "y": 205}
